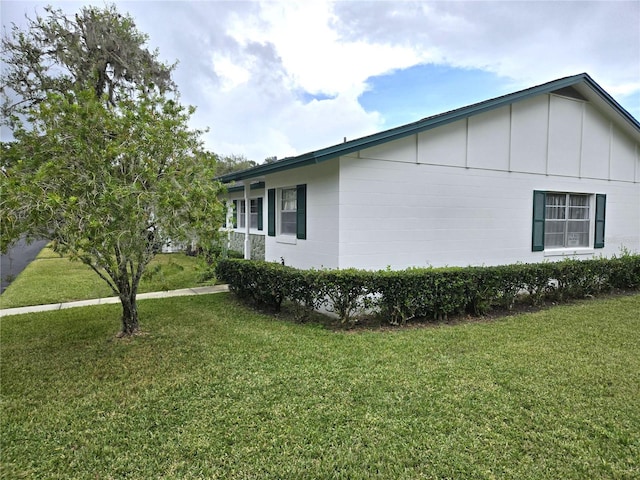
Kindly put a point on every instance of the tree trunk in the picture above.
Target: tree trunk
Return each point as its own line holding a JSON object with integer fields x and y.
{"x": 129, "y": 315}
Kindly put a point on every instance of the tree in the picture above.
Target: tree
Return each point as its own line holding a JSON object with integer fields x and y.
{"x": 103, "y": 162}
{"x": 98, "y": 48}
{"x": 108, "y": 186}
{"x": 233, "y": 163}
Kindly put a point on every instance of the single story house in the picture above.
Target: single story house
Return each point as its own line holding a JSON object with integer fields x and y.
{"x": 545, "y": 173}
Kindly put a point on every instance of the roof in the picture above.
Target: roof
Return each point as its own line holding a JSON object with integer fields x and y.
{"x": 581, "y": 84}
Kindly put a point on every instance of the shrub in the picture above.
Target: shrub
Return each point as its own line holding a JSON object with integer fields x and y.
{"x": 345, "y": 292}
{"x": 400, "y": 296}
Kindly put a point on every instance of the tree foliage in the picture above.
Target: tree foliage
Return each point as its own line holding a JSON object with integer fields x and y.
{"x": 100, "y": 48}
{"x": 103, "y": 163}
{"x": 233, "y": 163}
{"x": 109, "y": 186}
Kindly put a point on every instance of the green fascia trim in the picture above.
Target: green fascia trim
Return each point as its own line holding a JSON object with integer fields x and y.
{"x": 423, "y": 125}
{"x": 240, "y": 188}
{"x": 616, "y": 106}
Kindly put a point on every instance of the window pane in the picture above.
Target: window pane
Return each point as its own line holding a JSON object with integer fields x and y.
{"x": 556, "y": 206}
{"x": 241, "y": 213}
{"x": 288, "y": 223}
{"x": 556, "y": 199}
{"x": 289, "y": 200}
{"x": 577, "y": 234}
{"x": 579, "y": 207}
{"x": 579, "y": 200}
{"x": 554, "y": 234}
{"x": 254, "y": 214}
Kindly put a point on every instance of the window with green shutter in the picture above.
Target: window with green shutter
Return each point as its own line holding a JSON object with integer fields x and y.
{"x": 287, "y": 212}
{"x": 564, "y": 220}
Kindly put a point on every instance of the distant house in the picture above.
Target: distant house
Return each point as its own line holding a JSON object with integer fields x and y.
{"x": 545, "y": 173}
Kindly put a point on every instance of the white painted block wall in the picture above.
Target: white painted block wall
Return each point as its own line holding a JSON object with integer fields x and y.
{"x": 432, "y": 215}
{"x": 320, "y": 249}
{"x": 461, "y": 194}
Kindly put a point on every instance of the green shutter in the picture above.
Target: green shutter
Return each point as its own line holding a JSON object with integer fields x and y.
{"x": 259, "y": 201}
{"x": 226, "y": 214}
{"x": 271, "y": 212}
{"x": 301, "y": 213}
{"x": 537, "y": 236}
{"x": 235, "y": 214}
{"x": 601, "y": 207}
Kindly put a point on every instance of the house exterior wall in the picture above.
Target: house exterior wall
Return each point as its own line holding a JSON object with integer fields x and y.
{"x": 461, "y": 194}
{"x": 235, "y": 236}
{"x": 236, "y": 243}
{"x": 320, "y": 248}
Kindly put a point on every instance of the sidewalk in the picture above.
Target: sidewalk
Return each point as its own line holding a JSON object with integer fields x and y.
{"x": 102, "y": 301}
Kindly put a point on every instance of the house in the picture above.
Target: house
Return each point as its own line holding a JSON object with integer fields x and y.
{"x": 542, "y": 174}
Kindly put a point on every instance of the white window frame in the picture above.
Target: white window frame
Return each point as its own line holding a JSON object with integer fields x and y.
{"x": 291, "y": 212}
{"x": 253, "y": 215}
{"x": 566, "y": 220}
{"x": 240, "y": 215}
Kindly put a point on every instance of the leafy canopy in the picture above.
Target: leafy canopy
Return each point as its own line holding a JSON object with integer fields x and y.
{"x": 97, "y": 48}
{"x": 103, "y": 163}
{"x": 101, "y": 181}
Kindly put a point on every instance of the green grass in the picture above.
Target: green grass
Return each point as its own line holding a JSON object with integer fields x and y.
{"x": 214, "y": 390}
{"x": 52, "y": 279}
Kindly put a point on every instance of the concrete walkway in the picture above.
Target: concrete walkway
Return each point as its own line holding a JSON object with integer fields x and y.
{"x": 101, "y": 301}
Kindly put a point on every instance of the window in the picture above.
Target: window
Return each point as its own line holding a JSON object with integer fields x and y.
{"x": 288, "y": 211}
{"x": 242, "y": 211}
{"x": 289, "y": 207}
{"x": 565, "y": 220}
{"x": 255, "y": 214}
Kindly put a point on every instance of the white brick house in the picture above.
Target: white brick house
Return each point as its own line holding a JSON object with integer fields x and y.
{"x": 545, "y": 173}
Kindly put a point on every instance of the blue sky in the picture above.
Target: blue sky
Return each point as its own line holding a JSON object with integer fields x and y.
{"x": 280, "y": 78}
{"x": 424, "y": 90}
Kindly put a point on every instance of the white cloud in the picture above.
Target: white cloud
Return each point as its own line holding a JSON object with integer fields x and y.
{"x": 333, "y": 48}
{"x": 311, "y": 50}
{"x": 526, "y": 41}
{"x": 232, "y": 75}
{"x": 249, "y": 67}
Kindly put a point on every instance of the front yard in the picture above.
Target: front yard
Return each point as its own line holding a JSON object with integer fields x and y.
{"x": 54, "y": 279}
{"x": 213, "y": 390}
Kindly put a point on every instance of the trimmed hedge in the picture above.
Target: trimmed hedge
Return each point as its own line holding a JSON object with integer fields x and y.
{"x": 399, "y": 296}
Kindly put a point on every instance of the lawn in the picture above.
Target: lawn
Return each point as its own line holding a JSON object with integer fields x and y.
{"x": 214, "y": 390}
{"x": 52, "y": 279}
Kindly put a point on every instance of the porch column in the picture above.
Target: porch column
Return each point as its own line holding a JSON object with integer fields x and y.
{"x": 247, "y": 221}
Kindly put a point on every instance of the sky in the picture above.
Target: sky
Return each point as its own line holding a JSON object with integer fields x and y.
{"x": 282, "y": 78}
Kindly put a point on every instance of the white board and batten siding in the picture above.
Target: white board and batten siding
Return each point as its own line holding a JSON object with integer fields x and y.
{"x": 461, "y": 194}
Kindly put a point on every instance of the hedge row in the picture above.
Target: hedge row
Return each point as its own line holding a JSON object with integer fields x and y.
{"x": 399, "y": 296}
